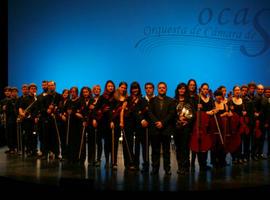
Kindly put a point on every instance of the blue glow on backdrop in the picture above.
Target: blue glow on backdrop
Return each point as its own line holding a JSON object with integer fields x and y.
{"x": 83, "y": 42}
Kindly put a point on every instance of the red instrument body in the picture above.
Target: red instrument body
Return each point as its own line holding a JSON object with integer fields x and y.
{"x": 232, "y": 139}
{"x": 244, "y": 129}
{"x": 200, "y": 139}
{"x": 257, "y": 130}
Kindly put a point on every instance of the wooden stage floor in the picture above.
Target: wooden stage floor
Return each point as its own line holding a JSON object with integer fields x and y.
{"x": 55, "y": 174}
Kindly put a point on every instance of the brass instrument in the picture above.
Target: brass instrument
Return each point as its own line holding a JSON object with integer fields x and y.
{"x": 186, "y": 112}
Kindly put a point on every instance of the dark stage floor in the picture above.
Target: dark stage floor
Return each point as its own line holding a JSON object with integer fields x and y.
{"x": 55, "y": 174}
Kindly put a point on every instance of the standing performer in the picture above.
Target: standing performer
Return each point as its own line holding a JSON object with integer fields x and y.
{"x": 3, "y": 112}
{"x": 185, "y": 116}
{"x": 266, "y": 109}
{"x": 251, "y": 97}
{"x": 86, "y": 111}
{"x": 96, "y": 90}
{"x": 162, "y": 120}
{"x": 27, "y": 118}
{"x": 246, "y": 122}
{"x": 49, "y": 112}
{"x": 234, "y": 143}
{"x": 259, "y": 121}
{"x": 217, "y": 129}
{"x": 133, "y": 120}
{"x": 200, "y": 139}
{"x": 64, "y": 121}
{"x": 76, "y": 130}
{"x": 40, "y": 118}
{"x": 11, "y": 114}
{"x": 192, "y": 91}
{"x": 120, "y": 97}
{"x": 103, "y": 118}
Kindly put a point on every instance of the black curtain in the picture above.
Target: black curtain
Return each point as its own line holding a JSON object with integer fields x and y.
{"x": 3, "y": 57}
{"x": 3, "y": 46}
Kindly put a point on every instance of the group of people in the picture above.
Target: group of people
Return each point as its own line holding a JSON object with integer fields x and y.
{"x": 52, "y": 125}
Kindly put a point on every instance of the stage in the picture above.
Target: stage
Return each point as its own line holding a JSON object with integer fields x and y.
{"x": 19, "y": 172}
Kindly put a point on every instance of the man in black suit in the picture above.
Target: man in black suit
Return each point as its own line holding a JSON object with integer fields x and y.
{"x": 162, "y": 116}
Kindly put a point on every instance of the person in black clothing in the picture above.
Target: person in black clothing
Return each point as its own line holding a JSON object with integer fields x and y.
{"x": 86, "y": 110}
{"x": 185, "y": 116}
{"x": 64, "y": 120}
{"x": 9, "y": 114}
{"x": 49, "y": 113}
{"x": 248, "y": 107}
{"x": 162, "y": 119}
{"x": 266, "y": 110}
{"x": 135, "y": 121}
{"x": 40, "y": 118}
{"x": 3, "y": 116}
{"x": 193, "y": 96}
{"x": 27, "y": 116}
{"x": 218, "y": 153}
{"x": 120, "y": 98}
{"x": 75, "y": 128}
{"x": 96, "y": 90}
{"x": 103, "y": 118}
{"x": 259, "y": 119}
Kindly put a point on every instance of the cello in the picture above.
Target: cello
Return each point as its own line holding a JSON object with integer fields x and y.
{"x": 200, "y": 139}
{"x": 232, "y": 134}
{"x": 244, "y": 121}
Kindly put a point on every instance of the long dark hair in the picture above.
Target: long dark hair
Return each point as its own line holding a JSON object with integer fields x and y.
{"x": 186, "y": 95}
{"x": 192, "y": 80}
{"x": 107, "y": 94}
{"x": 135, "y": 85}
{"x": 85, "y": 88}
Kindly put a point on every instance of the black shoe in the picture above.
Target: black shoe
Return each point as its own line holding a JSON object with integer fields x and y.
{"x": 254, "y": 158}
{"x": 154, "y": 172}
{"x": 107, "y": 165}
{"x": 182, "y": 171}
{"x": 98, "y": 163}
{"x": 131, "y": 168}
{"x": 7, "y": 152}
{"x": 114, "y": 167}
{"x": 145, "y": 171}
{"x": 206, "y": 168}
{"x": 168, "y": 172}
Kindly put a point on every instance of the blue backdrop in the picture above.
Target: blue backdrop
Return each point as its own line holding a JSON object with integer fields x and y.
{"x": 86, "y": 42}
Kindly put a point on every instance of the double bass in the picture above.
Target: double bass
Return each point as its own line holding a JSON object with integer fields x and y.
{"x": 244, "y": 121}
{"x": 200, "y": 139}
{"x": 232, "y": 130}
